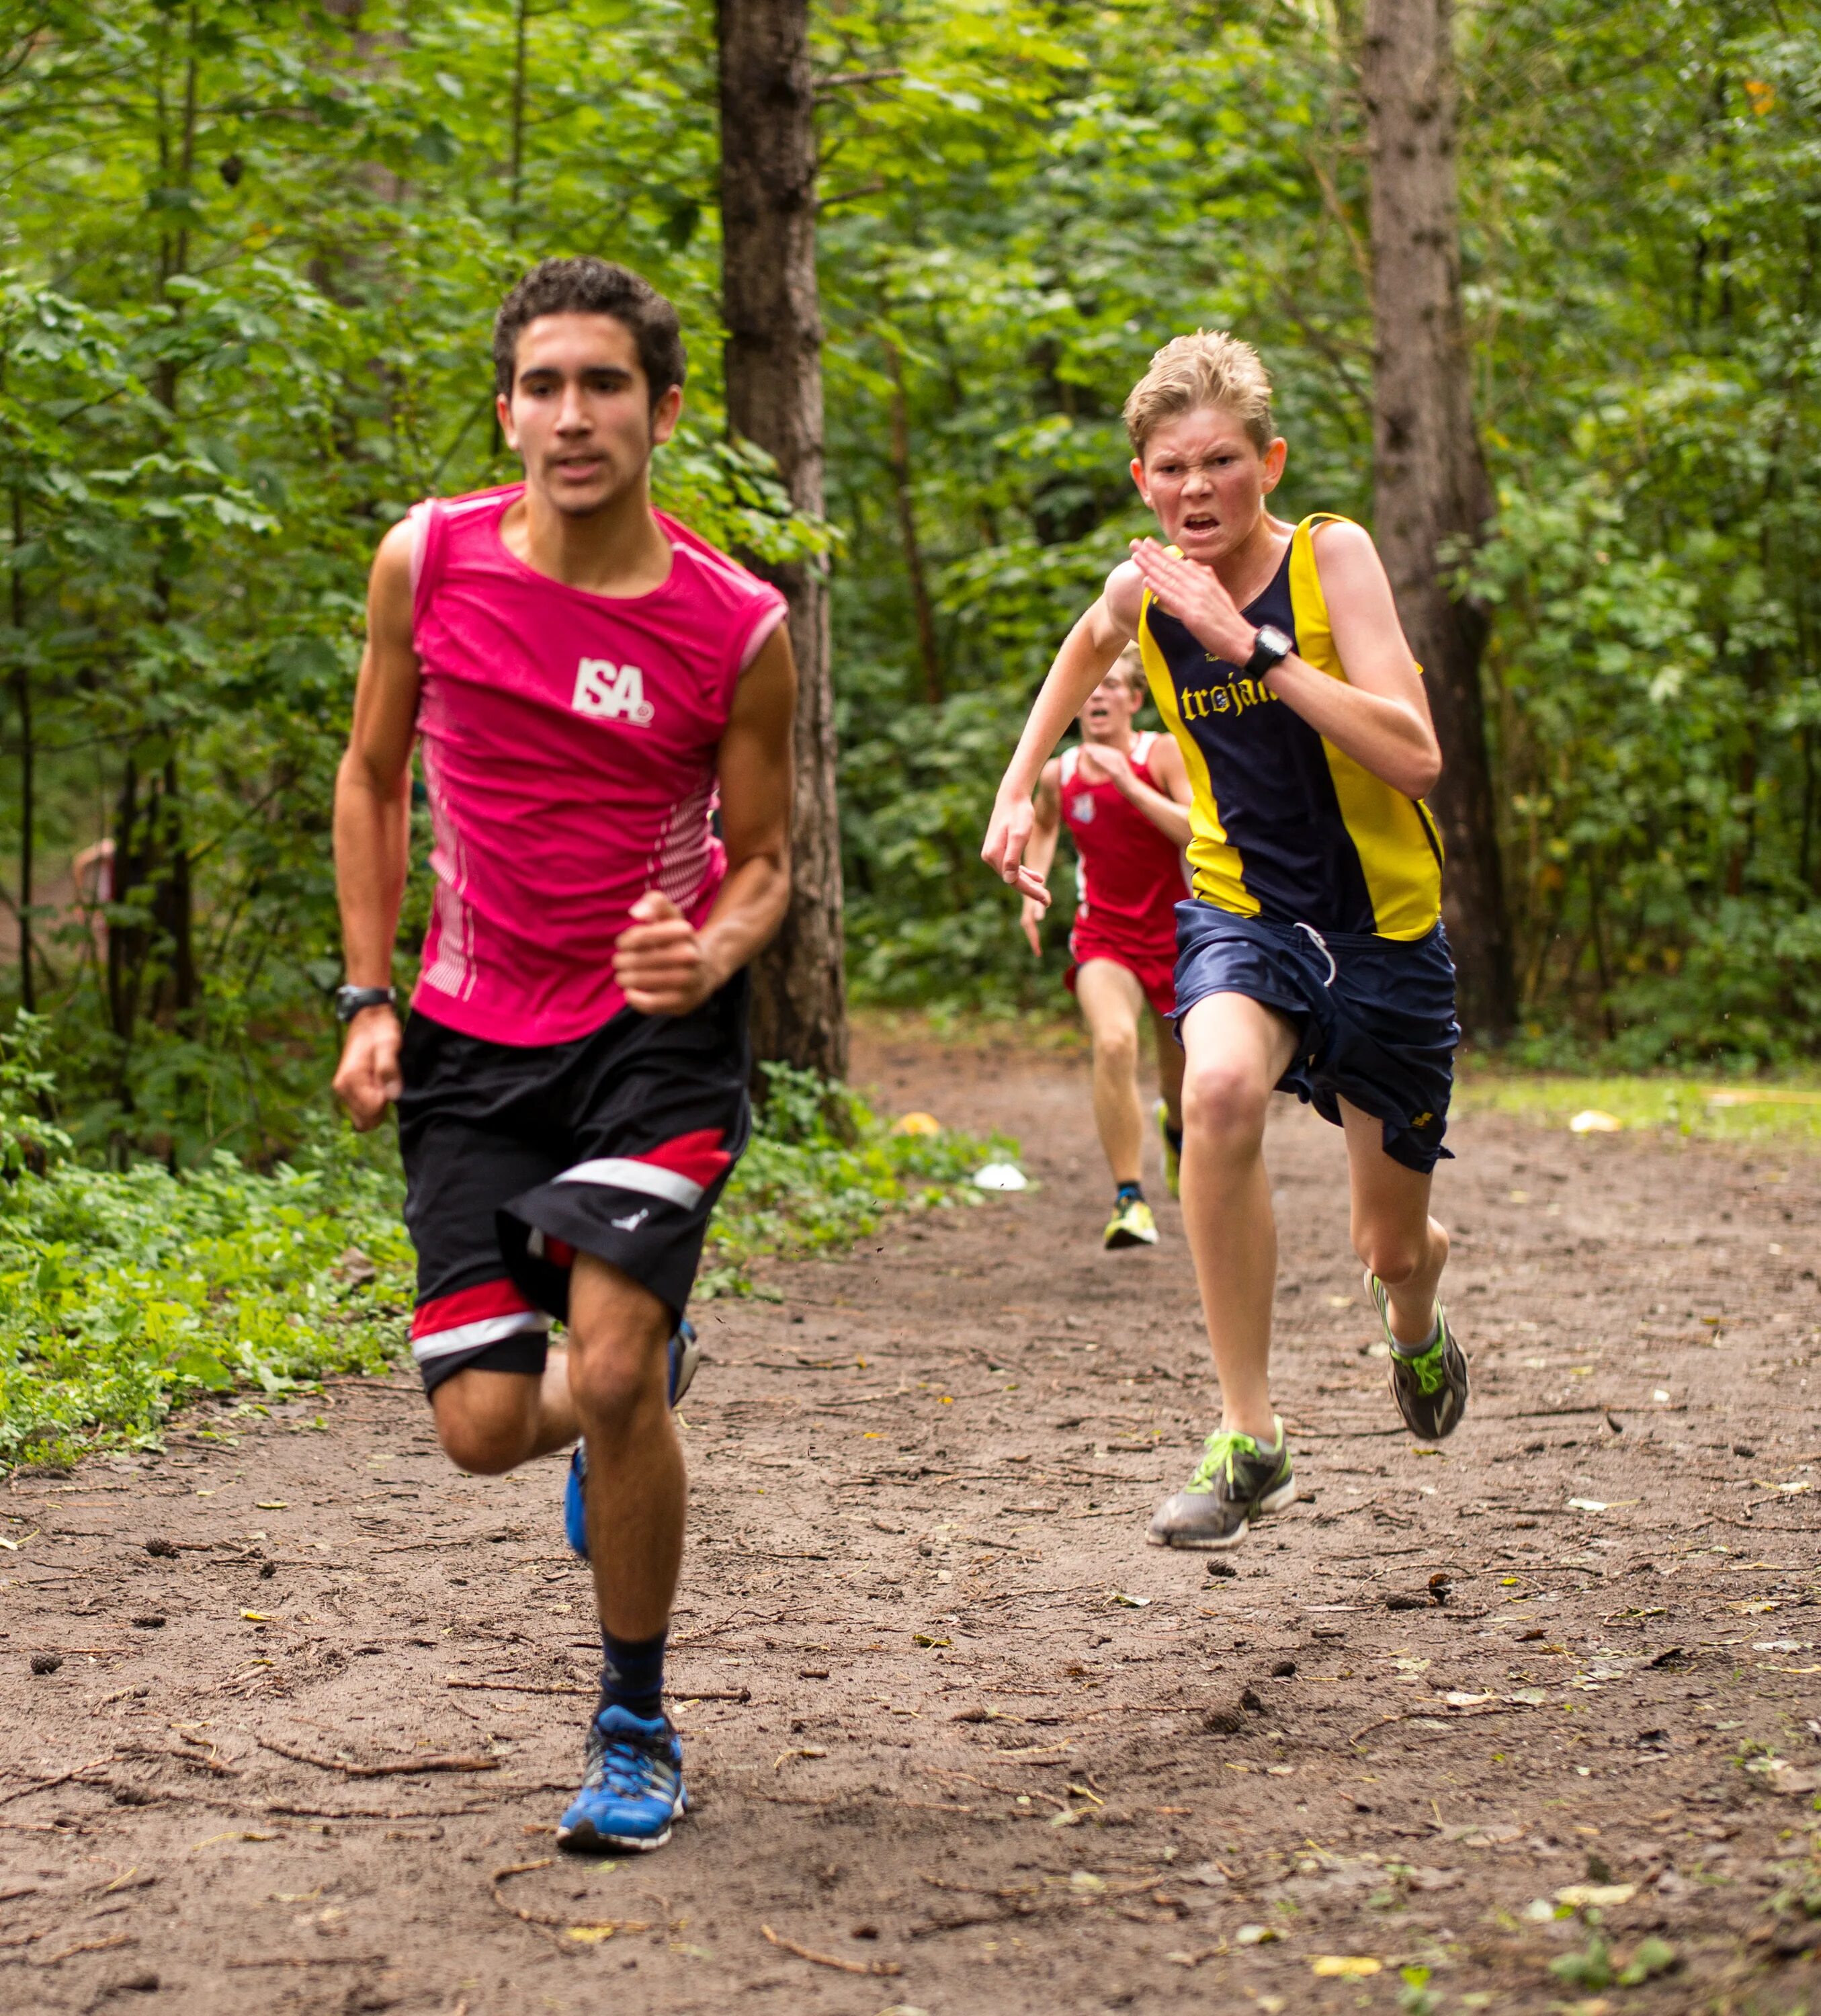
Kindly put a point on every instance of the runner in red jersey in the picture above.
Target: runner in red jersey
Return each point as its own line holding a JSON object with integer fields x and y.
{"x": 584, "y": 681}
{"x": 1124, "y": 799}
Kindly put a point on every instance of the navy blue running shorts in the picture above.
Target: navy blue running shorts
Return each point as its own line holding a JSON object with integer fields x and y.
{"x": 1374, "y": 1016}
{"x": 517, "y": 1158}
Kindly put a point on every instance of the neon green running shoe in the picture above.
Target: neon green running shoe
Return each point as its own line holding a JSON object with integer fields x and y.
{"x": 1429, "y": 1382}
{"x": 1172, "y": 1154}
{"x": 1235, "y": 1482}
{"x": 1131, "y": 1224}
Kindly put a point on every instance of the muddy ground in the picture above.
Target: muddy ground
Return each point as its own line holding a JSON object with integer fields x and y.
{"x": 949, "y": 1722}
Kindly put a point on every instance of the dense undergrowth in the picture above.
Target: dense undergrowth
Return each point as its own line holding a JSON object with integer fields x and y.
{"x": 125, "y": 1292}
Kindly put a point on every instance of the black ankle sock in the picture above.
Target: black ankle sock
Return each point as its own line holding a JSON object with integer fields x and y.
{"x": 1174, "y": 1136}
{"x": 632, "y": 1674}
{"x": 1127, "y": 1191}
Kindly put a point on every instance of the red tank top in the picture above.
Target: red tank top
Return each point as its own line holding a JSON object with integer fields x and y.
{"x": 1132, "y": 874}
{"x": 569, "y": 743}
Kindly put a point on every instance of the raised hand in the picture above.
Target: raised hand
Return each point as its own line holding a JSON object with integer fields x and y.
{"x": 1099, "y": 763}
{"x": 1194, "y": 596}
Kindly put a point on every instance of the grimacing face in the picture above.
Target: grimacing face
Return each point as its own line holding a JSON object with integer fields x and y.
{"x": 580, "y": 410}
{"x": 1207, "y": 480}
{"x": 1110, "y": 708}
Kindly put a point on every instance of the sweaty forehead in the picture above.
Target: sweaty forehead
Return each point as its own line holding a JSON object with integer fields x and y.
{"x": 576, "y": 342}
{"x": 1202, "y": 431}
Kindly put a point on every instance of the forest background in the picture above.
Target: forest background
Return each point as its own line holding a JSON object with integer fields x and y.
{"x": 251, "y": 252}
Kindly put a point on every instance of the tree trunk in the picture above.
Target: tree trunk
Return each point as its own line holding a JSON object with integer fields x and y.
{"x": 774, "y": 397}
{"x": 1432, "y": 486}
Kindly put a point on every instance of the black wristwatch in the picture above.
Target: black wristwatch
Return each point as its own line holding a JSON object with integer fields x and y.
{"x": 349, "y": 1001}
{"x": 1269, "y": 649}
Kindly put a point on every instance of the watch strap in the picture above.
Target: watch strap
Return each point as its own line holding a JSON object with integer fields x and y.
{"x": 350, "y": 1001}
{"x": 1269, "y": 650}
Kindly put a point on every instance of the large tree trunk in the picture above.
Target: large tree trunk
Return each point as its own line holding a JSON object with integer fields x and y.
{"x": 774, "y": 397}
{"x": 1431, "y": 484}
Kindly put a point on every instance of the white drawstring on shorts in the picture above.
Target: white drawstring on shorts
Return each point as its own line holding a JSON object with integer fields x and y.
{"x": 1333, "y": 971}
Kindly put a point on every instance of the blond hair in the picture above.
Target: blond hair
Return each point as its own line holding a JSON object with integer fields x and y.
{"x": 1209, "y": 368}
{"x": 1130, "y": 663}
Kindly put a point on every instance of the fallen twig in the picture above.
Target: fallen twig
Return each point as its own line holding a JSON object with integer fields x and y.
{"x": 408, "y": 1768}
{"x": 368, "y": 1812}
{"x": 546, "y": 1921}
{"x": 517, "y": 1687}
{"x": 1443, "y": 1712}
{"x": 64, "y": 1778}
{"x": 315, "y": 1960}
{"x": 878, "y": 1968}
{"x": 194, "y": 1758}
{"x": 1000, "y": 1792}
{"x": 935, "y": 1925}
{"x": 84, "y": 1947}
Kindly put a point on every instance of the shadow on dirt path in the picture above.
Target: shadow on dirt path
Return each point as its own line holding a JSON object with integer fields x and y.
{"x": 951, "y": 1725}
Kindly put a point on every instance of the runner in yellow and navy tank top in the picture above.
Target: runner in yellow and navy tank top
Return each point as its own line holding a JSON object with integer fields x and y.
{"x": 1311, "y": 955}
{"x": 1285, "y": 827}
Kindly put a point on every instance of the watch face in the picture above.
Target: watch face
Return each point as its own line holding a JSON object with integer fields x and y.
{"x": 1273, "y": 639}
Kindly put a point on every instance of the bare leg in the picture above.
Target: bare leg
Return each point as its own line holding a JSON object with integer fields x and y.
{"x": 490, "y": 1422}
{"x": 1112, "y": 1002}
{"x": 1393, "y": 1233}
{"x": 637, "y": 1490}
{"x": 1171, "y": 1060}
{"x": 612, "y": 1386}
{"x": 1237, "y": 1049}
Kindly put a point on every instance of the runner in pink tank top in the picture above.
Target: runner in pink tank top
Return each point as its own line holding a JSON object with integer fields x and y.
{"x": 569, "y": 743}
{"x": 586, "y": 683}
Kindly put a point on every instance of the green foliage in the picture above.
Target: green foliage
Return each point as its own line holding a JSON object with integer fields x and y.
{"x": 823, "y": 1170}
{"x": 1594, "y": 1967}
{"x": 246, "y": 272}
{"x": 125, "y": 1292}
{"x": 1642, "y": 210}
{"x": 1705, "y": 1108}
{"x": 249, "y": 264}
{"x": 122, "y": 1293}
{"x": 1416, "y": 1997}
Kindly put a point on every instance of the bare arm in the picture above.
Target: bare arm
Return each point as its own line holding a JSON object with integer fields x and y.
{"x": 1378, "y": 715}
{"x": 1095, "y": 641}
{"x": 373, "y": 827}
{"x": 664, "y": 964}
{"x": 1046, "y": 831}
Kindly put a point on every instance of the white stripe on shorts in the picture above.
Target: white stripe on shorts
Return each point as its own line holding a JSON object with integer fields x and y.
{"x": 620, "y": 1172}
{"x": 470, "y": 1336}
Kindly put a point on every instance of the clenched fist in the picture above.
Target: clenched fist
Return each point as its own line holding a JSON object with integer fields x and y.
{"x": 367, "y": 1080}
{"x": 661, "y": 961}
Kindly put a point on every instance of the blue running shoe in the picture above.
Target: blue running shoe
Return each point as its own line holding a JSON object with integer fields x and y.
{"x": 633, "y": 1790}
{"x": 685, "y": 1354}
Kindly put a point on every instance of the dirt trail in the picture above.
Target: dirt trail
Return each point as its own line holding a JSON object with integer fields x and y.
{"x": 954, "y": 1726}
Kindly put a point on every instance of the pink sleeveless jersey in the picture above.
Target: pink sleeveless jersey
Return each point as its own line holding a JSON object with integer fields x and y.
{"x": 568, "y": 743}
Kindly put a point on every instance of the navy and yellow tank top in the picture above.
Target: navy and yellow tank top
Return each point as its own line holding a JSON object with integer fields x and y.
{"x": 1283, "y": 827}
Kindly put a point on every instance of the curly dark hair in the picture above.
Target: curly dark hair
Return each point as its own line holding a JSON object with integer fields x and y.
{"x": 588, "y": 285}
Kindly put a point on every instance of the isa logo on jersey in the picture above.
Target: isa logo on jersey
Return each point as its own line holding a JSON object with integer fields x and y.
{"x": 607, "y": 692}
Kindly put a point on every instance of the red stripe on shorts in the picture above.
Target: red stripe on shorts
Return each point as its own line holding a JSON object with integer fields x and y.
{"x": 467, "y": 1305}
{"x": 699, "y": 1156}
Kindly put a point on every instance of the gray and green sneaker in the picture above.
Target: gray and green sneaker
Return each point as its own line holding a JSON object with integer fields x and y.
{"x": 1235, "y": 1482}
{"x": 1429, "y": 1381}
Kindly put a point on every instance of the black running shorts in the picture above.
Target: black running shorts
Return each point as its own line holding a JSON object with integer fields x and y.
{"x": 516, "y": 1159}
{"x": 1374, "y": 1016}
